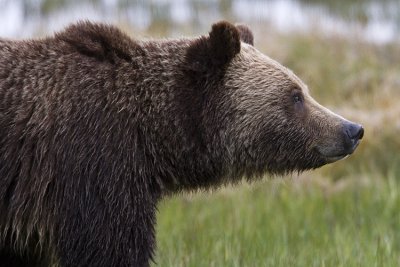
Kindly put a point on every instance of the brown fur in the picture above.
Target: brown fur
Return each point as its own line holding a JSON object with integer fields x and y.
{"x": 96, "y": 127}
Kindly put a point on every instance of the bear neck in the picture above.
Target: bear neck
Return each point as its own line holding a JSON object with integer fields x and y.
{"x": 165, "y": 103}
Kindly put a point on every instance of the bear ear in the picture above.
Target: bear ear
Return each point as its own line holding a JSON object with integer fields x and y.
{"x": 224, "y": 42}
{"x": 208, "y": 53}
{"x": 246, "y": 35}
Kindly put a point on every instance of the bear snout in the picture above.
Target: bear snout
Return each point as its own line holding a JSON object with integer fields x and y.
{"x": 342, "y": 143}
{"x": 352, "y": 133}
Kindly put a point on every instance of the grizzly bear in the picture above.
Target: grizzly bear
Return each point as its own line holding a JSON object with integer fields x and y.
{"x": 96, "y": 127}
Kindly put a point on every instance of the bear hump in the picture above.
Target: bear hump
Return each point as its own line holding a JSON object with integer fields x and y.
{"x": 102, "y": 41}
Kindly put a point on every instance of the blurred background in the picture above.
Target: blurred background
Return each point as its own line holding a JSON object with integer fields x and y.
{"x": 348, "y": 52}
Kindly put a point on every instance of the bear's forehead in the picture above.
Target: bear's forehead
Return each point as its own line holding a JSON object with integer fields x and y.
{"x": 251, "y": 57}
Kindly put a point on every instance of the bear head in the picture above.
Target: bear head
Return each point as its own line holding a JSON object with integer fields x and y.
{"x": 260, "y": 113}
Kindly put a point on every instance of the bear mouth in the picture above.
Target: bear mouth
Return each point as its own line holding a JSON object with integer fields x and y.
{"x": 331, "y": 159}
{"x": 334, "y": 153}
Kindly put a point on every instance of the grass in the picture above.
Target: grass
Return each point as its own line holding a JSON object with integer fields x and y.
{"x": 284, "y": 223}
{"x": 345, "y": 214}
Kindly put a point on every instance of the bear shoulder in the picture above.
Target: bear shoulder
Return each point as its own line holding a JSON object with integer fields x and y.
{"x": 102, "y": 41}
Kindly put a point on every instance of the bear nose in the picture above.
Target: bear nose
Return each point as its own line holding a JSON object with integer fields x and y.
{"x": 353, "y": 133}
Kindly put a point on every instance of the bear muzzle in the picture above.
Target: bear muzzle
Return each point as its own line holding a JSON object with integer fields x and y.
{"x": 345, "y": 143}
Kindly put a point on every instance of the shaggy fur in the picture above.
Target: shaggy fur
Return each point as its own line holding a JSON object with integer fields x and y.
{"x": 96, "y": 127}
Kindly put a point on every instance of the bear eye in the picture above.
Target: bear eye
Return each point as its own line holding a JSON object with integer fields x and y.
{"x": 297, "y": 98}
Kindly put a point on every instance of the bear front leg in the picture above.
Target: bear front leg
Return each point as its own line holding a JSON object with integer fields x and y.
{"x": 108, "y": 233}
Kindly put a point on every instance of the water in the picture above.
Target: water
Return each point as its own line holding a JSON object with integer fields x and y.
{"x": 375, "y": 21}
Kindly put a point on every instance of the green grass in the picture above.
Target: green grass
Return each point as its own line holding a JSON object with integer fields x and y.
{"x": 349, "y": 223}
{"x": 344, "y": 214}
